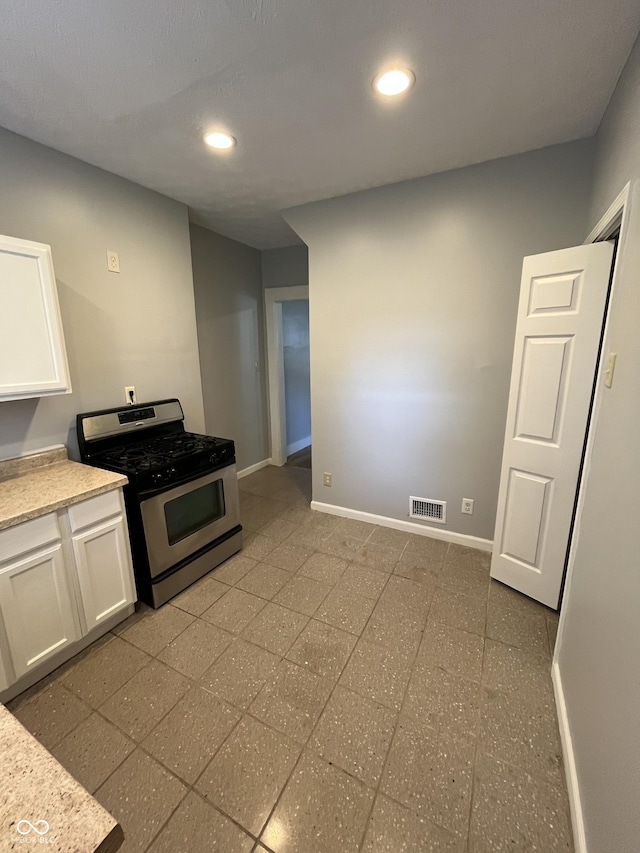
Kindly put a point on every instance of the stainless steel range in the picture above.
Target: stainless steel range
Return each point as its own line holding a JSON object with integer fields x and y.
{"x": 182, "y": 497}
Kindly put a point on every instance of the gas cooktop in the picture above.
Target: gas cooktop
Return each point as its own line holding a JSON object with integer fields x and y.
{"x": 149, "y": 444}
{"x": 155, "y": 453}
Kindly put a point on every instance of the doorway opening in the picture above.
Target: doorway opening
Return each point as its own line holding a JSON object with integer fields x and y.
{"x": 287, "y": 320}
{"x": 297, "y": 384}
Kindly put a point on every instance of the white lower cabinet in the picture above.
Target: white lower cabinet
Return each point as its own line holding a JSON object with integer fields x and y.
{"x": 104, "y": 571}
{"x": 61, "y": 576}
{"x": 4, "y": 678}
{"x": 37, "y": 608}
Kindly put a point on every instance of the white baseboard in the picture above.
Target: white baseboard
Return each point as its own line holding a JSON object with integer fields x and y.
{"x": 298, "y": 445}
{"x": 577, "y": 822}
{"x": 408, "y": 526}
{"x": 253, "y": 468}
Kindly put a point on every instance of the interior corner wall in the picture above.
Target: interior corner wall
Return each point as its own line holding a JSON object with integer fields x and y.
{"x": 413, "y": 292}
{"x": 133, "y": 328}
{"x": 286, "y": 267}
{"x": 230, "y": 319}
{"x": 599, "y": 643}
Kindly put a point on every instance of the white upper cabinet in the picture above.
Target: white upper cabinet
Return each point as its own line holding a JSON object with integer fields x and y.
{"x": 33, "y": 360}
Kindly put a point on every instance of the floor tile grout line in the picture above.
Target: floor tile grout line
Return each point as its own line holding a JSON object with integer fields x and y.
{"x": 305, "y": 745}
{"x": 71, "y": 731}
{"x": 77, "y": 696}
{"x": 190, "y": 787}
{"x": 193, "y": 679}
{"x": 138, "y": 744}
{"x": 484, "y": 650}
{"x": 283, "y": 657}
{"x": 388, "y": 575}
{"x": 476, "y": 745}
{"x": 154, "y": 655}
{"x": 395, "y": 728}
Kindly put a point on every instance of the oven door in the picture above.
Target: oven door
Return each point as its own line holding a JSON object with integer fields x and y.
{"x": 183, "y": 519}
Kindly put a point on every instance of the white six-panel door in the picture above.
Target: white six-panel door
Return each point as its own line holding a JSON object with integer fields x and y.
{"x": 560, "y": 315}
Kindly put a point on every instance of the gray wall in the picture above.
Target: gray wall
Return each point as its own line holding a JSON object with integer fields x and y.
{"x": 413, "y": 298}
{"x": 297, "y": 391}
{"x": 599, "y": 647}
{"x": 286, "y": 267}
{"x": 137, "y": 328}
{"x": 229, "y": 312}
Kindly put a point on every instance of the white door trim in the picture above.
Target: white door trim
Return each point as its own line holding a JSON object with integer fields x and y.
{"x": 273, "y": 299}
{"x": 617, "y": 215}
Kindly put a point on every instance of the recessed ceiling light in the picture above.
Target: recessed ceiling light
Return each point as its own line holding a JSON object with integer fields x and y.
{"x": 220, "y": 141}
{"x": 394, "y": 82}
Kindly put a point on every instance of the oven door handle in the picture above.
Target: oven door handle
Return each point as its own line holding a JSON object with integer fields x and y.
{"x": 190, "y": 478}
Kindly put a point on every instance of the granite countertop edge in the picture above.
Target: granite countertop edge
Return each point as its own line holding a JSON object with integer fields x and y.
{"x": 49, "y": 487}
{"x": 36, "y": 788}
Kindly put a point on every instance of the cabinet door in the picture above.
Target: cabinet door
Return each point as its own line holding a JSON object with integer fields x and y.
{"x": 36, "y": 607}
{"x": 33, "y": 361}
{"x": 4, "y": 678}
{"x": 103, "y": 564}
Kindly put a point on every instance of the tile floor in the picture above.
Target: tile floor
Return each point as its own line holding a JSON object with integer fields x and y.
{"x": 334, "y": 688}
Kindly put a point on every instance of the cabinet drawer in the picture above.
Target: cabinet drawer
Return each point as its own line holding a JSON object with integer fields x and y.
{"x": 27, "y": 536}
{"x": 95, "y": 509}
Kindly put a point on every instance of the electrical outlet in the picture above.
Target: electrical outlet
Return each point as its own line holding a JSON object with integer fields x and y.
{"x": 328, "y": 479}
{"x": 130, "y": 395}
{"x": 113, "y": 261}
{"x": 467, "y": 506}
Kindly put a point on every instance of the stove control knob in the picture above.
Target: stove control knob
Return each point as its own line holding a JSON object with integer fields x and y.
{"x": 172, "y": 473}
{"x": 157, "y": 478}
{"x": 213, "y": 458}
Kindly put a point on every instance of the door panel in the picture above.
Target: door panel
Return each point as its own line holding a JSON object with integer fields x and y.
{"x": 37, "y": 608}
{"x": 526, "y": 501}
{"x": 104, "y": 570}
{"x": 556, "y": 294}
{"x": 540, "y": 393}
{"x": 560, "y": 317}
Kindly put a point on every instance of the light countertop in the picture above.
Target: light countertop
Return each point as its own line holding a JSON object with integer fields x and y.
{"x": 41, "y": 804}
{"x": 32, "y": 486}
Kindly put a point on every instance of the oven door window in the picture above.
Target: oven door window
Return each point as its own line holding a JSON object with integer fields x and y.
{"x": 194, "y": 511}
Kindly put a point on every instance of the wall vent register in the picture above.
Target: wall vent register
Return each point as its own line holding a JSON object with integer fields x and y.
{"x": 428, "y": 509}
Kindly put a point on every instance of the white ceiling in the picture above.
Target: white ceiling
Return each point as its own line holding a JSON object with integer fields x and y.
{"x": 131, "y": 85}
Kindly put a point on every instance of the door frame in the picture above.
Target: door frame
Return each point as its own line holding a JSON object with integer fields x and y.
{"x": 273, "y": 299}
{"x": 616, "y": 216}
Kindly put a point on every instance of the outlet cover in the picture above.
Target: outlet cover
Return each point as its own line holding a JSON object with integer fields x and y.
{"x": 113, "y": 261}
{"x": 467, "y": 506}
{"x": 328, "y": 479}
